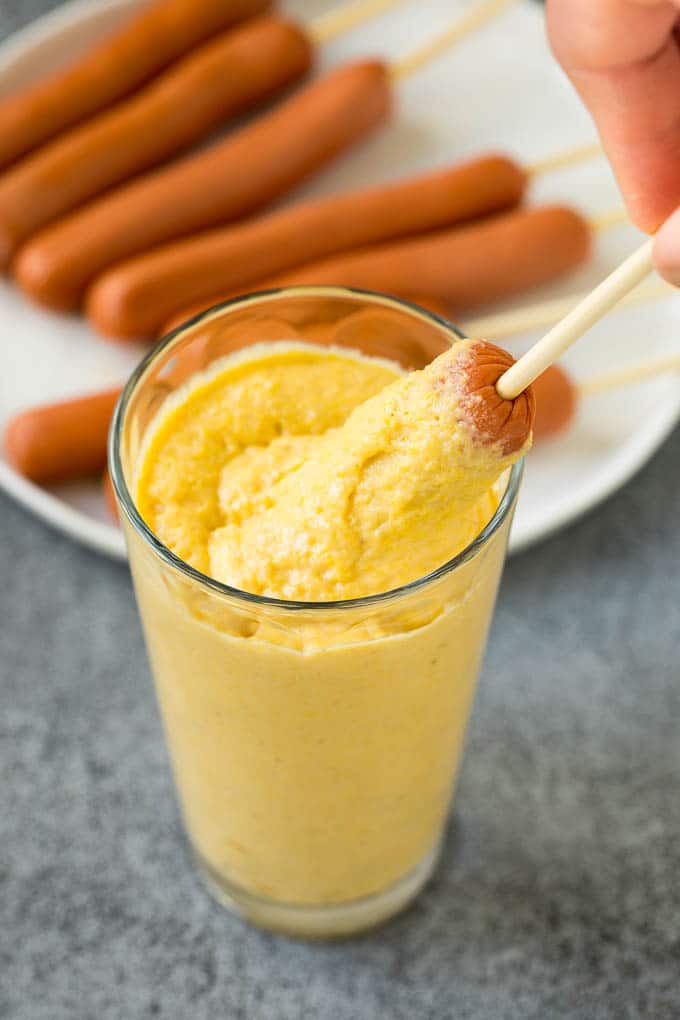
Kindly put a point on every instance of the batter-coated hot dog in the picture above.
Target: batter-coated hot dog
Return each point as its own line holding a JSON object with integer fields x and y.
{"x": 60, "y": 441}
{"x": 390, "y": 487}
{"x": 113, "y": 68}
{"x": 467, "y": 266}
{"x": 135, "y": 298}
{"x": 224, "y": 77}
{"x": 239, "y": 175}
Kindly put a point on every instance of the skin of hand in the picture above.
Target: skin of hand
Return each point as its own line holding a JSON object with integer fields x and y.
{"x": 623, "y": 57}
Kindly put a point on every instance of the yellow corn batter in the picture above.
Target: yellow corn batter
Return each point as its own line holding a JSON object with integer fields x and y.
{"x": 279, "y": 476}
{"x": 208, "y": 446}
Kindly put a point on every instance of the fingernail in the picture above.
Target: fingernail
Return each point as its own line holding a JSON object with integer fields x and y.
{"x": 667, "y": 249}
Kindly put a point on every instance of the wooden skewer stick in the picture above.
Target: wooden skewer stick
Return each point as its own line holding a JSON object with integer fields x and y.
{"x": 482, "y": 12}
{"x": 346, "y": 17}
{"x": 577, "y": 322}
{"x": 629, "y": 376}
{"x": 521, "y": 320}
{"x": 350, "y": 16}
{"x": 610, "y": 218}
{"x": 575, "y": 154}
{"x": 353, "y": 14}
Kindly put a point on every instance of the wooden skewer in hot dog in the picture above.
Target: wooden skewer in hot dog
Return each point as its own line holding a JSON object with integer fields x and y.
{"x": 576, "y": 322}
{"x": 136, "y": 298}
{"x": 127, "y": 58}
{"x": 197, "y": 95}
{"x": 469, "y": 265}
{"x": 231, "y": 179}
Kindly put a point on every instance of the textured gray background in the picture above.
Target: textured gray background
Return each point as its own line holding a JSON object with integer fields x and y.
{"x": 559, "y": 893}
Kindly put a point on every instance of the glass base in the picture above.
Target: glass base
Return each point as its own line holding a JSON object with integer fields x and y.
{"x": 333, "y": 921}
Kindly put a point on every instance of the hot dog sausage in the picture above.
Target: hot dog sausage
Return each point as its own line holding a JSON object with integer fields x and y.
{"x": 135, "y": 298}
{"x": 235, "y": 177}
{"x": 468, "y": 266}
{"x": 106, "y": 72}
{"x": 492, "y": 419}
{"x": 471, "y": 265}
{"x": 60, "y": 441}
{"x": 222, "y": 78}
{"x": 556, "y": 402}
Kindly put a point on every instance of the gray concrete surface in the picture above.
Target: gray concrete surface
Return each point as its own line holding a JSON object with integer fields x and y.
{"x": 559, "y": 892}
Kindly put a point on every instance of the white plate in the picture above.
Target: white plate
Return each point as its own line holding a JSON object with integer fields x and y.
{"x": 500, "y": 89}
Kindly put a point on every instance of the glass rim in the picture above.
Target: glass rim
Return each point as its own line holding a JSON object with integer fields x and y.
{"x": 172, "y": 560}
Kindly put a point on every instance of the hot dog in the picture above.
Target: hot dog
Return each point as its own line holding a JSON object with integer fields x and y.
{"x": 112, "y": 69}
{"x": 135, "y": 298}
{"x": 250, "y": 168}
{"x": 222, "y": 78}
{"x": 467, "y": 266}
{"x": 493, "y": 420}
{"x": 556, "y": 402}
{"x": 61, "y": 441}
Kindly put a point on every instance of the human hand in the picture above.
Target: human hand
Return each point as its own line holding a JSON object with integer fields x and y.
{"x": 623, "y": 57}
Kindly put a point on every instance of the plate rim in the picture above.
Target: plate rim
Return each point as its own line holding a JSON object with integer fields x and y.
{"x": 98, "y": 535}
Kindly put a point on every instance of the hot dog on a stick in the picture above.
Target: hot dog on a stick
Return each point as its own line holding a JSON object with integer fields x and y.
{"x": 60, "y": 441}
{"x": 436, "y": 440}
{"x": 136, "y": 298}
{"x": 196, "y": 95}
{"x": 462, "y": 267}
{"x": 233, "y": 178}
{"x": 128, "y": 57}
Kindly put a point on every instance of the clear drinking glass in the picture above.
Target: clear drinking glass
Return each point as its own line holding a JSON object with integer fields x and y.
{"x": 315, "y": 746}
